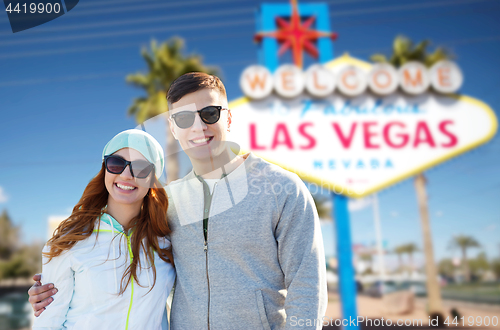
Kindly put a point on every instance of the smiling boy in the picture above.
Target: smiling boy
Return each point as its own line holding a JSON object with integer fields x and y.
{"x": 245, "y": 235}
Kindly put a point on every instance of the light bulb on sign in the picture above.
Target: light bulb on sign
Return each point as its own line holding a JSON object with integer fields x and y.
{"x": 256, "y": 82}
{"x": 288, "y": 81}
{"x": 320, "y": 81}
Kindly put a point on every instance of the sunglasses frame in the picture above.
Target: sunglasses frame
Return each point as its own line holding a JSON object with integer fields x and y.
{"x": 127, "y": 163}
{"x": 218, "y": 107}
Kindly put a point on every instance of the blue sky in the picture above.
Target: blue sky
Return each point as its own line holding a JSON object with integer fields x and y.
{"x": 63, "y": 96}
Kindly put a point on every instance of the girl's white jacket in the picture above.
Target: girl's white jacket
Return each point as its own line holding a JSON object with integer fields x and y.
{"x": 88, "y": 278}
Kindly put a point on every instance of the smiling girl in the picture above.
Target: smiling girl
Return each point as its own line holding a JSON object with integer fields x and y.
{"x": 110, "y": 259}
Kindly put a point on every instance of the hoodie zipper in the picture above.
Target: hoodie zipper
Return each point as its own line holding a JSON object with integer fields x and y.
{"x": 205, "y": 248}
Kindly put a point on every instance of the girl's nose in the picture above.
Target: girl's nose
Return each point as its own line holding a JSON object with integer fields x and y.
{"x": 126, "y": 172}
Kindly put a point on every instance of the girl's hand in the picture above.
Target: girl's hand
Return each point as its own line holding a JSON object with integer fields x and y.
{"x": 40, "y": 295}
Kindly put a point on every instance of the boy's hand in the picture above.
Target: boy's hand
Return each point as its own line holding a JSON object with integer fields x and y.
{"x": 40, "y": 295}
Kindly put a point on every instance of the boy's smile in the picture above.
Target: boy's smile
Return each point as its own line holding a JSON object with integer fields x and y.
{"x": 201, "y": 141}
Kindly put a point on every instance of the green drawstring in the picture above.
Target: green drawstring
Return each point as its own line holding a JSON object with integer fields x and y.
{"x": 131, "y": 280}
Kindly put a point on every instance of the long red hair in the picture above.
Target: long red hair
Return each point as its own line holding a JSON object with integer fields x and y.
{"x": 150, "y": 224}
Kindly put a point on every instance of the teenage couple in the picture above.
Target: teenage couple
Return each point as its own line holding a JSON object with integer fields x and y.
{"x": 244, "y": 235}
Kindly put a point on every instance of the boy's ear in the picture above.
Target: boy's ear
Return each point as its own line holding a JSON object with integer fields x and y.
{"x": 229, "y": 118}
{"x": 171, "y": 126}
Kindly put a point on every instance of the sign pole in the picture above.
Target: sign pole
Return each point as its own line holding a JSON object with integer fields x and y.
{"x": 347, "y": 285}
{"x": 380, "y": 249}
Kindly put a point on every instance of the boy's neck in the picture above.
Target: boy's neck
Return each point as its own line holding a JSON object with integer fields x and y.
{"x": 215, "y": 167}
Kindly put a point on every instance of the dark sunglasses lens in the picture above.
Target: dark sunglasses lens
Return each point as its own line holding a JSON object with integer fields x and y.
{"x": 210, "y": 115}
{"x": 115, "y": 165}
{"x": 184, "y": 119}
{"x": 141, "y": 169}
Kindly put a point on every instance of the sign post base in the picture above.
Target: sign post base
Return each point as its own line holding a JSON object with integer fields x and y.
{"x": 347, "y": 285}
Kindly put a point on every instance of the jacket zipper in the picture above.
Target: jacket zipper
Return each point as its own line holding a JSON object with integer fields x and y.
{"x": 205, "y": 247}
{"x": 131, "y": 281}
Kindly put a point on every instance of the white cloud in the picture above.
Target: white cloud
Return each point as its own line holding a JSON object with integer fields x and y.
{"x": 491, "y": 227}
{"x": 359, "y": 204}
{"x": 3, "y": 196}
{"x": 394, "y": 214}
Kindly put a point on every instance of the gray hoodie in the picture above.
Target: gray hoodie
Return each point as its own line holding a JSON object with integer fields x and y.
{"x": 262, "y": 266}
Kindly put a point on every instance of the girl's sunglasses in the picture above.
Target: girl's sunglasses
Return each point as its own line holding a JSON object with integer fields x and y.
{"x": 138, "y": 168}
{"x": 209, "y": 115}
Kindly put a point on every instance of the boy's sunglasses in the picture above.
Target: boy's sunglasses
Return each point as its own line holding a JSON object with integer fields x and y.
{"x": 209, "y": 115}
{"x": 138, "y": 168}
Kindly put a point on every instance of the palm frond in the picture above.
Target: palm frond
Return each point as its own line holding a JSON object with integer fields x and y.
{"x": 378, "y": 58}
{"x": 165, "y": 62}
{"x": 403, "y": 51}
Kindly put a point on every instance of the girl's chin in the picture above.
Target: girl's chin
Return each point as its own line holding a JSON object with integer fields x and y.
{"x": 126, "y": 200}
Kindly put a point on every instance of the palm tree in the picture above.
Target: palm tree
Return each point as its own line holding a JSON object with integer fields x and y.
{"x": 402, "y": 52}
{"x": 16, "y": 259}
{"x": 479, "y": 265}
{"x": 321, "y": 203}
{"x": 9, "y": 236}
{"x": 463, "y": 243}
{"x": 495, "y": 267}
{"x": 368, "y": 258}
{"x": 410, "y": 248}
{"x": 446, "y": 268}
{"x": 165, "y": 63}
{"x": 400, "y": 250}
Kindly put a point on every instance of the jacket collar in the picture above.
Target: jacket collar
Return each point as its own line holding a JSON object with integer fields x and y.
{"x": 109, "y": 220}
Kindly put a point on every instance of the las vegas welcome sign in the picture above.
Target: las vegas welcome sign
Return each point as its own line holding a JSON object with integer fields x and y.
{"x": 333, "y": 127}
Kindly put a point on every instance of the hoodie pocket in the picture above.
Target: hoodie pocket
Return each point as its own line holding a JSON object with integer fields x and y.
{"x": 262, "y": 310}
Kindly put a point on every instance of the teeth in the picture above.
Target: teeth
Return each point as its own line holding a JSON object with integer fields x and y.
{"x": 201, "y": 140}
{"x": 125, "y": 187}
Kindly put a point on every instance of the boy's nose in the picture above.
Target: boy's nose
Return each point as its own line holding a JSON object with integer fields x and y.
{"x": 198, "y": 123}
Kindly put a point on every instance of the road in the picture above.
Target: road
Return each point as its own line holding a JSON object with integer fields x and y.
{"x": 375, "y": 309}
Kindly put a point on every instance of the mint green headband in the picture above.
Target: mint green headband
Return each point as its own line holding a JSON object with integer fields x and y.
{"x": 140, "y": 141}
